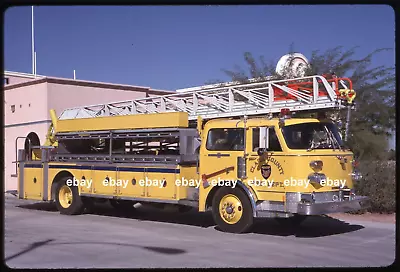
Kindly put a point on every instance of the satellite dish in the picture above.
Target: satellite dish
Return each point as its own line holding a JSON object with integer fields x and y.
{"x": 298, "y": 63}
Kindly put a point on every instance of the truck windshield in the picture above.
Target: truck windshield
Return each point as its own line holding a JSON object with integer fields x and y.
{"x": 312, "y": 136}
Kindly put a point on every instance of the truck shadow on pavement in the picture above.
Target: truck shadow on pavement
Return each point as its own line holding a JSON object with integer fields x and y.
{"x": 314, "y": 226}
{"x": 53, "y": 242}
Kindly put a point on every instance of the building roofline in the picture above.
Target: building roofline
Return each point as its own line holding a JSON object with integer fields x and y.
{"x": 40, "y": 79}
{"x": 19, "y": 74}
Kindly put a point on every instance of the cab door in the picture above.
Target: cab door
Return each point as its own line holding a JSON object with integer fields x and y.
{"x": 221, "y": 147}
{"x": 266, "y": 173}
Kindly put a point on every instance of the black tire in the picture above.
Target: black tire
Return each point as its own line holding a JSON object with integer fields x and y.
{"x": 122, "y": 204}
{"x": 294, "y": 221}
{"x": 66, "y": 205}
{"x": 244, "y": 222}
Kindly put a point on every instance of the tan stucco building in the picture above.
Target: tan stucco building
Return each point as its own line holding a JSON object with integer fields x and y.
{"x": 29, "y": 98}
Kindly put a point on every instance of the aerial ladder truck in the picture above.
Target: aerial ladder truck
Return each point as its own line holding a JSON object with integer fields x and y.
{"x": 240, "y": 150}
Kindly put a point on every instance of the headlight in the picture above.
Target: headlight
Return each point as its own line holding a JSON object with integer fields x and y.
{"x": 317, "y": 178}
{"x": 316, "y": 165}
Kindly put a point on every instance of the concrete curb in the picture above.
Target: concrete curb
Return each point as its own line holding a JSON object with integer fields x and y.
{"x": 11, "y": 194}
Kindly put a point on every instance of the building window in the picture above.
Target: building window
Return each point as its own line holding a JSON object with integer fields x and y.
{"x": 6, "y": 81}
{"x": 12, "y": 108}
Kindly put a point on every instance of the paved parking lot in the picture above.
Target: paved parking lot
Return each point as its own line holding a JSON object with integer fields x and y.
{"x": 37, "y": 236}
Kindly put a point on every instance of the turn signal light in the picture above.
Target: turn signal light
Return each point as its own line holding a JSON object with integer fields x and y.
{"x": 316, "y": 165}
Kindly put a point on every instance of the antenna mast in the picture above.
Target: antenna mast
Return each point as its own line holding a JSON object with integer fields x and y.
{"x": 33, "y": 46}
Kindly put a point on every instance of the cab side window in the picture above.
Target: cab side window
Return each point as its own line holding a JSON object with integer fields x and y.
{"x": 225, "y": 139}
{"x": 274, "y": 144}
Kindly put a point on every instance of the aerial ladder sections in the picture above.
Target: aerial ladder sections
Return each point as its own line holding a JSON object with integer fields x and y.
{"x": 143, "y": 117}
{"x": 232, "y": 100}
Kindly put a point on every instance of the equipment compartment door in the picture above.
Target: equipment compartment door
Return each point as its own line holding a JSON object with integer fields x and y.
{"x": 104, "y": 182}
{"x": 131, "y": 185}
{"x": 33, "y": 182}
{"x": 161, "y": 183}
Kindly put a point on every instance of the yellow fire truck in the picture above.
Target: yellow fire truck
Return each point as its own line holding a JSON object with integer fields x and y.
{"x": 242, "y": 151}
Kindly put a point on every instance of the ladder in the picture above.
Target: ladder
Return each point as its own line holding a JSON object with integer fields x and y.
{"x": 229, "y": 99}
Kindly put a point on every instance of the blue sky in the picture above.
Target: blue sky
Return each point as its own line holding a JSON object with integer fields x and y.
{"x": 171, "y": 47}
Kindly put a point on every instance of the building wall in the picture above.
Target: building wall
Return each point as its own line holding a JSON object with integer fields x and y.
{"x": 11, "y": 79}
{"x": 31, "y": 111}
{"x": 62, "y": 96}
{"x": 29, "y": 102}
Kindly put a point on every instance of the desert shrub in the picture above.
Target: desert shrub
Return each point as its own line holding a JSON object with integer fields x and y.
{"x": 379, "y": 184}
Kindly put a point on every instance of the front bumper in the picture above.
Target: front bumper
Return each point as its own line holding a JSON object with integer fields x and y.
{"x": 322, "y": 203}
{"x": 356, "y": 203}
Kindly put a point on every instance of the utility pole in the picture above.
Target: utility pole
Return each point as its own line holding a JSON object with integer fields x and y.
{"x": 33, "y": 46}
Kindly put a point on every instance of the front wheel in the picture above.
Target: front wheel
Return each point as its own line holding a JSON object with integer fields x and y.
{"x": 232, "y": 210}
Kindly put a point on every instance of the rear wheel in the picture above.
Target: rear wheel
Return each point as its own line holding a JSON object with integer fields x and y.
{"x": 68, "y": 200}
{"x": 232, "y": 210}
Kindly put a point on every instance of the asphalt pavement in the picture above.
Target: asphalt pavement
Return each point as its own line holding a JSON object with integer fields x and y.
{"x": 37, "y": 236}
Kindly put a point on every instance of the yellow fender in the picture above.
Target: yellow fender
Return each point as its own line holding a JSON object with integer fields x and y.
{"x": 349, "y": 94}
